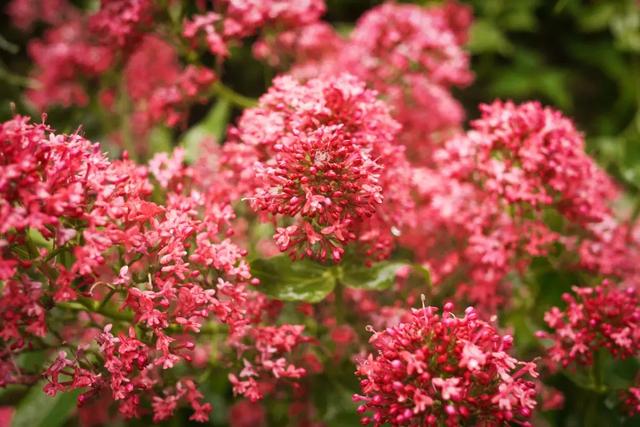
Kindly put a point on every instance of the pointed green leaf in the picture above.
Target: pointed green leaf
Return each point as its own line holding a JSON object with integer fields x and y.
{"x": 287, "y": 280}
{"x": 37, "y": 409}
{"x": 213, "y": 125}
{"x": 378, "y": 277}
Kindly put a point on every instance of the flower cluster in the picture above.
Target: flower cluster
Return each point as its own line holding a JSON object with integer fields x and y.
{"x": 235, "y": 20}
{"x": 604, "y": 317}
{"x": 83, "y": 50}
{"x": 410, "y": 54}
{"x": 25, "y": 13}
{"x": 80, "y": 233}
{"x": 631, "y": 400}
{"x": 122, "y": 21}
{"x": 529, "y": 154}
{"x": 325, "y": 158}
{"x": 490, "y": 196}
{"x": 63, "y": 56}
{"x": 305, "y": 46}
{"x": 271, "y": 344}
{"x": 444, "y": 370}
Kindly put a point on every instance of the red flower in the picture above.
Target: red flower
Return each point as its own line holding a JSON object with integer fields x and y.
{"x": 436, "y": 369}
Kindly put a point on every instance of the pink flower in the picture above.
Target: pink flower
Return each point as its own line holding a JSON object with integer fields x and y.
{"x": 64, "y": 56}
{"x": 122, "y": 21}
{"x": 603, "y": 317}
{"x": 443, "y": 369}
{"x": 325, "y": 156}
{"x": 631, "y": 400}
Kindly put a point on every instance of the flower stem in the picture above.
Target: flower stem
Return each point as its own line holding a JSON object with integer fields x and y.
{"x": 339, "y": 302}
{"x": 91, "y": 306}
{"x": 232, "y": 96}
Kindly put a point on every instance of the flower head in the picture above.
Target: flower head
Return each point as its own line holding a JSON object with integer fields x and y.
{"x": 602, "y": 317}
{"x": 443, "y": 369}
{"x": 325, "y": 156}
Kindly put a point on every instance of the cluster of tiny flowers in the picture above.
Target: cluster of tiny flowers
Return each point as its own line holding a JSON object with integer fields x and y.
{"x": 79, "y": 52}
{"x": 168, "y": 103}
{"x": 412, "y": 55}
{"x": 305, "y": 46}
{"x": 533, "y": 155}
{"x": 25, "y": 13}
{"x": 235, "y": 20}
{"x": 444, "y": 370}
{"x": 603, "y": 317}
{"x": 64, "y": 55}
{"x": 324, "y": 160}
{"x": 612, "y": 248}
{"x": 269, "y": 346}
{"x": 80, "y": 231}
{"x": 122, "y": 21}
{"x": 631, "y": 400}
{"x": 492, "y": 189}
{"x": 43, "y": 178}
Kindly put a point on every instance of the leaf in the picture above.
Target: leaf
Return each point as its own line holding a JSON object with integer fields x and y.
{"x": 40, "y": 410}
{"x": 160, "y": 140}
{"x": 8, "y": 46}
{"x": 287, "y": 280}
{"x": 424, "y": 272}
{"x": 597, "y": 17}
{"x": 378, "y": 277}
{"x": 486, "y": 37}
{"x": 213, "y": 125}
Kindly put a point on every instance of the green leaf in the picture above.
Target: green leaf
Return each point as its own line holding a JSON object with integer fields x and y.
{"x": 39, "y": 410}
{"x": 378, "y": 277}
{"x": 8, "y": 46}
{"x": 287, "y": 280}
{"x": 424, "y": 272}
{"x": 160, "y": 140}
{"x": 596, "y": 17}
{"x": 213, "y": 125}
{"x": 486, "y": 37}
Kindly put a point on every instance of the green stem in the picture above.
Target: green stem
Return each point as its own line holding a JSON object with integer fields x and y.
{"x": 126, "y": 132}
{"x": 232, "y": 96}
{"x": 339, "y": 302}
{"x": 106, "y": 299}
{"x": 91, "y": 306}
{"x": 18, "y": 80}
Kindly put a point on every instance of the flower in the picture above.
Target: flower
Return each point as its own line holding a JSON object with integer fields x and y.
{"x": 603, "y": 317}
{"x": 122, "y": 21}
{"x": 64, "y": 56}
{"x": 411, "y": 55}
{"x": 324, "y": 158}
{"x": 146, "y": 278}
{"x": 444, "y": 369}
{"x": 487, "y": 201}
{"x": 235, "y": 20}
{"x": 266, "y": 361}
